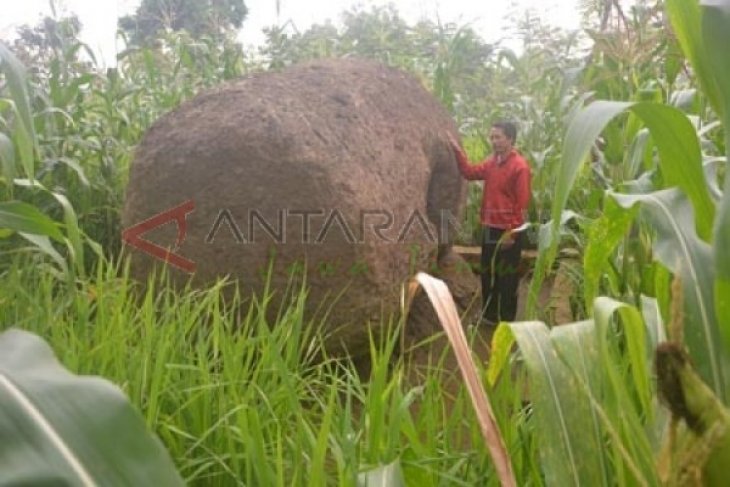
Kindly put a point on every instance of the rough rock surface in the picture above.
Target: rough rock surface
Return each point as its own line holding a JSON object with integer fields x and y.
{"x": 345, "y": 160}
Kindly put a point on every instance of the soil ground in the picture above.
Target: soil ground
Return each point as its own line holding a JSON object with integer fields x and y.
{"x": 554, "y": 305}
{"x": 556, "y": 292}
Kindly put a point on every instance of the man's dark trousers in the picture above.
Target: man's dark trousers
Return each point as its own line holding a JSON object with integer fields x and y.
{"x": 500, "y": 277}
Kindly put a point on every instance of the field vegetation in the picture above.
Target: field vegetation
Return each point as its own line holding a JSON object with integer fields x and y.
{"x": 626, "y": 125}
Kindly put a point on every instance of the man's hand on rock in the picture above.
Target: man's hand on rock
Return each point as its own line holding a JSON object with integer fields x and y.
{"x": 454, "y": 143}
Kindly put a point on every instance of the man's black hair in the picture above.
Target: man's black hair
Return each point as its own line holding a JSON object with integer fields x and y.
{"x": 509, "y": 129}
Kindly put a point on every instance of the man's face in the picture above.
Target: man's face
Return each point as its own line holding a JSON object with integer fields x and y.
{"x": 500, "y": 142}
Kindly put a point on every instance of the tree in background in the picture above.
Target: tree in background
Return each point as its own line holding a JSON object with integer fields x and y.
{"x": 210, "y": 18}
{"x": 51, "y": 38}
{"x": 452, "y": 61}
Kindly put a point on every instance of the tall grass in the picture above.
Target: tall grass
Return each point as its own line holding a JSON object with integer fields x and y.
{"x": 238, "y": 400}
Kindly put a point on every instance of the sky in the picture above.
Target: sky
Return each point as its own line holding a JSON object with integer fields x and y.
{"x": 486, "y": 16}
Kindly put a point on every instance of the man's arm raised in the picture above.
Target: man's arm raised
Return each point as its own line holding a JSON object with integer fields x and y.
{"x": 469, "y": 171}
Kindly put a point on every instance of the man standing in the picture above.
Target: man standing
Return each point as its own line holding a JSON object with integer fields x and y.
{"x": 506, "y": 177}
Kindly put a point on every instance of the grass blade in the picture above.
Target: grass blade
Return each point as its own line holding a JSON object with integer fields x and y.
{"x": 445, "y": 308}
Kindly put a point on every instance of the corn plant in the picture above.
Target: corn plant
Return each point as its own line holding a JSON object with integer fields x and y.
{"x": 595, "y": 403}
{"x": 19, "y": 154}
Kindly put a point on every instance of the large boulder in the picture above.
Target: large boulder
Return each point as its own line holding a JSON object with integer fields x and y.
{"x": 345, "y": 161}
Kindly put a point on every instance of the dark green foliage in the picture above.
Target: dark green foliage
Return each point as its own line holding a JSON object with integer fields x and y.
{"x": 212, "y": 18}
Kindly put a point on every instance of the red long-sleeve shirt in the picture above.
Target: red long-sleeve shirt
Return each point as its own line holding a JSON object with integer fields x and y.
{"x": 506, "y": 192}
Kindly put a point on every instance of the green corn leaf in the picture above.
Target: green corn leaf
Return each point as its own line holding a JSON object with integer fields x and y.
{"x": 577, "y": 346}
{"x": 62, "y": 429}
{"x": 639, "y": 351}
{"x": 75, "y": 239}
{"x": 570, "y": 454}
{"x": 24, "y": 132}
{"x": 500, "y": 350}
{"x": 72, "y": 231}
{"x": 7, "y": 159}
{"x": 716, "y": 34}
{"x": 686, "y": 19}
{"x": 653, "y": 320}
{"x": 626, "y": 353}
{"x": 711, "y": 165}
{"x": 721, "y": 262}
{"x": 76, "y": 167}
{"x": 44, "y": 244}
{"x": 22, "y": 217}
{"x": 680, "y": 158}
{"x": 681, "y": 251}
{"x": 603, "y": 237}
{"x": 680, "y": 163}
{"x": 548, "y": 238}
